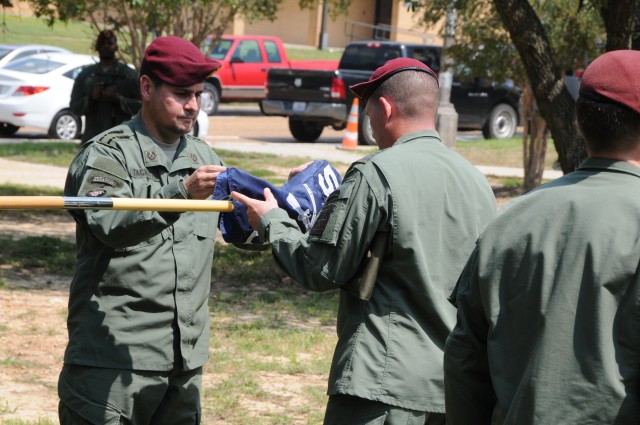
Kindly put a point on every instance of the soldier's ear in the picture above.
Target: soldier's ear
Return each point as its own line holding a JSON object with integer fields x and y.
{"x": 146, "y": 86}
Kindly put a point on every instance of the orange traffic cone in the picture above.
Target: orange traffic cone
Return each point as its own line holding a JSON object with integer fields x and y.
{"x": 350, "y": 139}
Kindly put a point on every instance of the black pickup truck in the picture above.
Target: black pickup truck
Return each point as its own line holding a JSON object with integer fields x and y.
{"x": 314, "y": 99}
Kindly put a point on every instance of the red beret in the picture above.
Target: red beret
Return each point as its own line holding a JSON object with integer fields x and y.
{"x": 177, "y": 61}
{"x": 364, "y": 90}
{"x": 614, "y": 77}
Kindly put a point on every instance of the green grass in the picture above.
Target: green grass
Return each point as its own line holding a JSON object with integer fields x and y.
{"x": 75, "y": 36}
{"x": 50, "y": 153}
{"x": 502, "y": 153}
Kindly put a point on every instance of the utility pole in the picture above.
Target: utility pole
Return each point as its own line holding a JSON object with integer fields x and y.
{"x": 323, "y": 26}
{"x": 447, "y": 120}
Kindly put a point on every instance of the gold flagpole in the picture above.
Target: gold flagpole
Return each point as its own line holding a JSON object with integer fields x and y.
{"x": 95, "y": 203}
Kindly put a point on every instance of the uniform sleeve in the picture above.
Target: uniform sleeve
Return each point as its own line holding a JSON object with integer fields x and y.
{"x": 100, "y": 172}
{"x": 80, "y": 98}
{"x": 333, "y": 251}
{"x": 469, "y": 393}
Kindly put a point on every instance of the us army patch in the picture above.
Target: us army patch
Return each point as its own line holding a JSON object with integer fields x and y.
{"x": 95, "y": 193}
{"x": 103, "y": 180}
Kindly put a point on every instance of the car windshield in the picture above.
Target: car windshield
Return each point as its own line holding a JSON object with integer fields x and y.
{"x": 365, "y": 58}
{"x": 34, "y": 65}
{"x": 4, "y": 51}
{"x": 220, "y": 49}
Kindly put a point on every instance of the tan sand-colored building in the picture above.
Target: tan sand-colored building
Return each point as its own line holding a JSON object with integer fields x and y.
{"x": 365, "y": 20}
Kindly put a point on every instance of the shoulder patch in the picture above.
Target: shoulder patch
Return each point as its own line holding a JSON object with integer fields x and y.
{"x": 95, "y": 193}
{"x": 103, "y": 180}
{"x": 107, "y": 165}
{"x": 323, "y": 219}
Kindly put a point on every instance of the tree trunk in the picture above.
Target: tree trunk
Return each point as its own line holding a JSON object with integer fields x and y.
{"x": 619, "y": 17}
{"x": 534, "y": 140}
{"x": 556, "y": 105}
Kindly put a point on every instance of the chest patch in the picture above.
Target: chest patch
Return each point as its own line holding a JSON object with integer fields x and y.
{"x": 140, "y": 173}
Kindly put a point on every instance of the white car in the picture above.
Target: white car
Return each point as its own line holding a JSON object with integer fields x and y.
{"x": 12, "y": 52}
{"x": 35, "y": 92}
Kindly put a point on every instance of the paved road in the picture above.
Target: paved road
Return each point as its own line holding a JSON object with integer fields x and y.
{"x": 239, "y": 128}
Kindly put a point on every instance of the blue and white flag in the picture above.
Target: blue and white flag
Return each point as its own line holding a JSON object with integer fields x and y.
{"x": 302, "y": 196}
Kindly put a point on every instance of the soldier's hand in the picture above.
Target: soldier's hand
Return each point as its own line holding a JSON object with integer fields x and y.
{"x": 96, "y": 93}
{"x": 200, "y": 184}
{"x": 298, "y": 169}
{"x": 255, "y": 207}
{"x": 110, "y": 94}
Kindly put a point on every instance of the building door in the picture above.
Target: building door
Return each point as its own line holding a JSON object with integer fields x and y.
{"x": 382, "y": 19}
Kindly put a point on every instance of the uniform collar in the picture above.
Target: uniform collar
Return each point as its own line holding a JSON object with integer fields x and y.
{"x": 605, "y": 164}
{"x": 430, "y": 134}
{"x": 153, "y": 155}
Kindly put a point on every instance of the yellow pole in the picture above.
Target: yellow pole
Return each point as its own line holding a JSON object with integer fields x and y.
{"x": 129, "y": 204}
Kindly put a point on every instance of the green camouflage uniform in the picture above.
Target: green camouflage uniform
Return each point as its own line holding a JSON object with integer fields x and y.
{"x": 548, "y": 325}
{"x": 433, "y": 204}
{"x": 101, "y": 115}
{"x": 139, "y": 297}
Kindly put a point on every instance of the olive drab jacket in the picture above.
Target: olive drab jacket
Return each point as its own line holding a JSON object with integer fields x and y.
{"x": 101, "y": 115}
{"x": 548, "y": 325}
{"x": 139, "y": 297}
{"x": 433, "y": 204}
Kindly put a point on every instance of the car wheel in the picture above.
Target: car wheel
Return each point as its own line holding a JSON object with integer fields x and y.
{"x": 365, "y": 134}
{"x": 305, "y": 131}
{"x": 209, "y": 99}
{"x": 7, "y": 129}
{"x": 502, "y": 122}
{"x": 65, "y": 125}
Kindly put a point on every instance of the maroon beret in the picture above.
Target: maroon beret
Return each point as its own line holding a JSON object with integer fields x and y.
{"x": 614, "y": 77}
{"x": 177, "y": 62}
{"x": 364, "y": 90}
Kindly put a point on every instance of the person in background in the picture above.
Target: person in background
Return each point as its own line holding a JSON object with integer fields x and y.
{"x": 548, "y": 328}
{"x": 393, "y": 238}
{"x": 106, "y": 93}
{"x": 138, "y": 317}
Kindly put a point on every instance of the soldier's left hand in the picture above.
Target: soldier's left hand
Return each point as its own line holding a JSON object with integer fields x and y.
{"x": 255, "y": 207}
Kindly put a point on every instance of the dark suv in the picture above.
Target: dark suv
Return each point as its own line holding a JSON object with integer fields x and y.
{"x": 485, "y": 105}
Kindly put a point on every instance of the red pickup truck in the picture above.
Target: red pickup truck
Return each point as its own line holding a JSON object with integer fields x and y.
{"x": 246, "y": 60}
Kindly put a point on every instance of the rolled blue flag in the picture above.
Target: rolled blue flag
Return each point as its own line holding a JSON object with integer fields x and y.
{"x": 302, "y": 197}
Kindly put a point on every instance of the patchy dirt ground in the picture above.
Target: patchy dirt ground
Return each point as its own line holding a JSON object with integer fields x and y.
{"x": 33, "y": 332}
{"x": 33, "y": 338}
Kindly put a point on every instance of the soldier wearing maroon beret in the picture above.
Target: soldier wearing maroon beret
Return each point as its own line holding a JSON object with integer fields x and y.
{"x": 138, "y": 306}
{"x": 548, "y": 327}
{"x": 416, "y": 209}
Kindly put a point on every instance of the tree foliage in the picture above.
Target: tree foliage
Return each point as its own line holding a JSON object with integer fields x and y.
{"x": 138, "y": 22}
{"x": 534, "y": 42}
